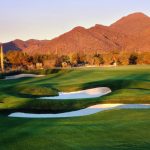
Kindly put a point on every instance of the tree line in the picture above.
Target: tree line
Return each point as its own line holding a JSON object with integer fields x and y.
{"x": 22, "y": 60}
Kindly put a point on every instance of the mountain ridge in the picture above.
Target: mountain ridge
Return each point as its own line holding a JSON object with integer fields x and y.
{"x": 128, "y": 33}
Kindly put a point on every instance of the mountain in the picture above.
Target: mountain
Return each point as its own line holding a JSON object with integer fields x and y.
{"x": 132, "y": 24}
{"x": 23, "y": 45}
{"x": 129, "y": 33}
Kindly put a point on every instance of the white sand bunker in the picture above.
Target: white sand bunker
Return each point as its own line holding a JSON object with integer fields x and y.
{"x": 22, "y": 76}
{"x": 90, "y": 93}
{"x": 84, "y": 112}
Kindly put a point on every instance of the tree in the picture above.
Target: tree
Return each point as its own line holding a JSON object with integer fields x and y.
{"x": 17, "y": 59}
{"x": 62, "y": 59}
{"x": 98, "y": 59}
{"x": 133, "y": 59}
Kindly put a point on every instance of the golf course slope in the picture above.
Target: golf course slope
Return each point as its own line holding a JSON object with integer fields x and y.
{"x": 113, "y": 129}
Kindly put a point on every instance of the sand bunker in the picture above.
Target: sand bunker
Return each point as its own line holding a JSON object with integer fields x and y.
{"x": 90, "y": 93}
{"x": 22, "y": 76}
{"x": 84, "y": 112}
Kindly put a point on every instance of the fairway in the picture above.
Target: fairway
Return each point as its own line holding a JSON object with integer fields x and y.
{"x": 110, "y": 130}
{"x": 129, "y": 85}
{"x": 107, "y": 130}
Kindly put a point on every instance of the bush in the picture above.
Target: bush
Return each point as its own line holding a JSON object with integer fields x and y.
{"x": 133, "y": 59}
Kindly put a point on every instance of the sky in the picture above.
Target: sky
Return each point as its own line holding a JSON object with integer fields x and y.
{"x": 46, "y": 19}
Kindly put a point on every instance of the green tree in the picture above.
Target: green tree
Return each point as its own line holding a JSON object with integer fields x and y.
{"x": 133, "y": 59}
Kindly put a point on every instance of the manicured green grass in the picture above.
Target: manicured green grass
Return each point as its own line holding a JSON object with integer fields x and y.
{"x": 130, "y": 84}
{"x": 109, "y": 130}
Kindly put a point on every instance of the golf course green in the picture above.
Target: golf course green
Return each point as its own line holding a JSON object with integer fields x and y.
{"x": 108, "y": 130}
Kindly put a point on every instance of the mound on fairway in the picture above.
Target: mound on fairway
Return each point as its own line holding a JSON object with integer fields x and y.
{"x": 35, "y": 91}
{"x": 22, "y": 76}
{"x": 84, "y": 112}
{"x": 89, "y": 93}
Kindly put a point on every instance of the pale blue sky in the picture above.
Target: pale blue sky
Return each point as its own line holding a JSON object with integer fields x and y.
{"x": 46, "y": 19}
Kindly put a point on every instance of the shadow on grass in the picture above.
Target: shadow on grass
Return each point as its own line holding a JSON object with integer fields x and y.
{"x": 48, "y": 79}
{"x": 52, "y": 106}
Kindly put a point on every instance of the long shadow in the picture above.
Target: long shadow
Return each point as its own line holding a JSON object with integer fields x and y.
{"x": 11, "y": 91}
{"x": 46, "y": 78}
{"x": 143, "y": 89}
{"x": 113, "y": 84}
{"x": 143, "y": 77}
